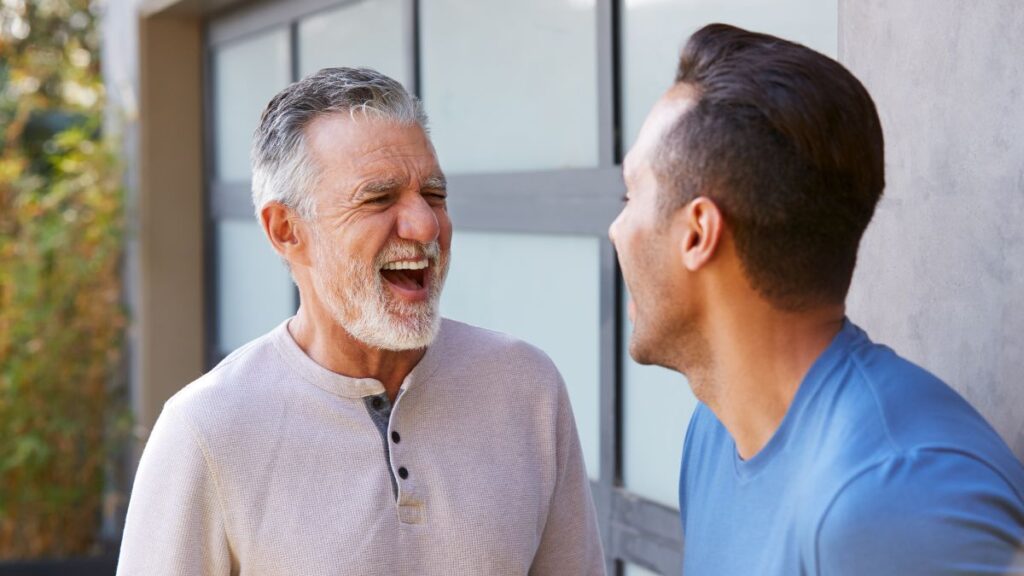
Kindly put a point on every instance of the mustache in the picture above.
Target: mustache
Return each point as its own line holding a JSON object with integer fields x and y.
{"x": 408, "y": 250}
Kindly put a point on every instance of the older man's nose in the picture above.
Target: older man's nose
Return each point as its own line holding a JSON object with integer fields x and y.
{"x": 417, "y": 221}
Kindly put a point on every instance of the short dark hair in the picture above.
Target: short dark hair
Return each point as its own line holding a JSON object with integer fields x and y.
{"x": 788, "y": 144}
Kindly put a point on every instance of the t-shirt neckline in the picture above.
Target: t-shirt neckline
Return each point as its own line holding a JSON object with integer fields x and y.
{"x": 826, "y": 362}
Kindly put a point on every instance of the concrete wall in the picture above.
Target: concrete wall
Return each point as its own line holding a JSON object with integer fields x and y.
{"x": 941, "y": 274}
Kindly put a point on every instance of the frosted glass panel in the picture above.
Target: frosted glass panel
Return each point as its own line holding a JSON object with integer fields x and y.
{"x": 654, "y": 32}
{"x": 254, "y": 290}
{"x": 656, "y": 408}
{"x": 634, "y": 570}
{"x": 368, "y": 34}
{"x": 542, "y": 289}
{"x": 247, "y": 74}
{"x": 511, "y": 85}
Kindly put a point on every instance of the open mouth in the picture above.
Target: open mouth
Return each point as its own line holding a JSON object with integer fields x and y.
{"x": 406, "y": 274}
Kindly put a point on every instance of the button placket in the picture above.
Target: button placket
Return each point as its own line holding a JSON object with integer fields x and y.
{"x": 379, "y": 409}
{"x": 410, "y": 505}
{"x": 398, "y": 463}
{"x": 396, "y": 447}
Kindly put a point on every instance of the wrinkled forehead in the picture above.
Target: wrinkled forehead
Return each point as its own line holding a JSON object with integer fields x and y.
{"x": 341, "y": 142}
{"x": 663, "y": 116}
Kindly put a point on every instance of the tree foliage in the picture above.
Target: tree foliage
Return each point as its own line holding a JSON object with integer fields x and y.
{"x": 61, "y": 319}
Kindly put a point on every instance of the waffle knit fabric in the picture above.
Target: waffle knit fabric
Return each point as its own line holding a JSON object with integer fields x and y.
{"x": 273, "y": 465}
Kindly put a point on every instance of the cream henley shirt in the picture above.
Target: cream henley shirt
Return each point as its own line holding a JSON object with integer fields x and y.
{"x": 273, "y": 465}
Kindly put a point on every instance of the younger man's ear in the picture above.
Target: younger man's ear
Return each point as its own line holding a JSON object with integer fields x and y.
{"x": 286, "y": 231}
{"x": 698, "y": 227}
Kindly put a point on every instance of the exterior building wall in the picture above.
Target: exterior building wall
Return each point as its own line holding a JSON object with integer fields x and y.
{"x": 152, "y": 70}
{"x": 941, "y": 273}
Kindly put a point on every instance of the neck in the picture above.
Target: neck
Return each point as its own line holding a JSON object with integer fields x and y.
{"x": 330, "y": 346}
{"x": 758, "y": 358}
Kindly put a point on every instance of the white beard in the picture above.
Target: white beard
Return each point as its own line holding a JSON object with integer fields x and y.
{"x": 367, "y": 310}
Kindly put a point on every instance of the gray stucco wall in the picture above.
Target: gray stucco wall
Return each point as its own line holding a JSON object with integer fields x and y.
{"x": 941, "y": 272}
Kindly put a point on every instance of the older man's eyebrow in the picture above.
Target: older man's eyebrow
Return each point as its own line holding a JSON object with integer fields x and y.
{"x": 435, "y": 182}
{"x": 378, "y": 187}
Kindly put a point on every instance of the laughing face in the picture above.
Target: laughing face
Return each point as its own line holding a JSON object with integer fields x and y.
{"x": 382, "y": 235}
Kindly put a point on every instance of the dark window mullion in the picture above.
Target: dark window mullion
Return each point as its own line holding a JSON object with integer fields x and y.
{"x": 412, "y": 25}
{"x": 210, "y": 262}
{"x": 608, "y": 79}
{"x": 606, "y": 195}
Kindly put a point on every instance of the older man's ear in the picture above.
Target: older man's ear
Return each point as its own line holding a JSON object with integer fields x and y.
{"x": 288, "y": 234}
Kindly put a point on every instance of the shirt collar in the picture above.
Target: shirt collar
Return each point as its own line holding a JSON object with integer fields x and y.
{"x": 347, "y": 386}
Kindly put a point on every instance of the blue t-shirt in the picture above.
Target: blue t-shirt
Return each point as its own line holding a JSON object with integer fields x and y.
{"x": 878, "y": 468}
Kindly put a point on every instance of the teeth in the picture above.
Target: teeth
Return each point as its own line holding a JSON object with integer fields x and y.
{"x": 406, "y": 265}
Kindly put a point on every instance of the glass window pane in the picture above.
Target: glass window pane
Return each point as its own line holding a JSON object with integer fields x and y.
{"x": 368, "y": 34}
{"x": 634, "y": 570}
{"x": 247, "y": 74}
{"x": 654, "y": 32}
{"x": 535, "y": 301}
{"x": 511, "y": 85}
{"x": 656, "y": 408}
{"x": 254, "y": 289}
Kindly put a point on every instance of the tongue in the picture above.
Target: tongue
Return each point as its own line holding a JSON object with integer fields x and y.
{"x": 402, "y": 279}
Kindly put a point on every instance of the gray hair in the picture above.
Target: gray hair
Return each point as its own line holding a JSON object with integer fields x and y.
{"x": 282, "y": 170}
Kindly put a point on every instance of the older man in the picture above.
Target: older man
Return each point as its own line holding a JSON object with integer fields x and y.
{"x": 365, "y": 435}
{"x": 813, "y": 449}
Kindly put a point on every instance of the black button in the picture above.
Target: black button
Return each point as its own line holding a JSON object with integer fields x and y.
{"x": 377, "y": 402}
{"x": 395, "y": 437}
{"x": 403, "y": 473}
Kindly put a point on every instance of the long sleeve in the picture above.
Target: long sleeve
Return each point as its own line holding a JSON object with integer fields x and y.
{"x": 175, "y": 522}
{"x": 571, "y": 542}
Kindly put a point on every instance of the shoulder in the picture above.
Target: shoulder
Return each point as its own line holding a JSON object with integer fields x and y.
{"x": 234, "y": 395}
{"x": 922, "y": 512}
{"x": 227, "y": 379}
{"x": 899, "y": 407}
{"x": 892, "y": 382}
{"x": 512, "y": 375}
{"x": 475, "y": 348}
